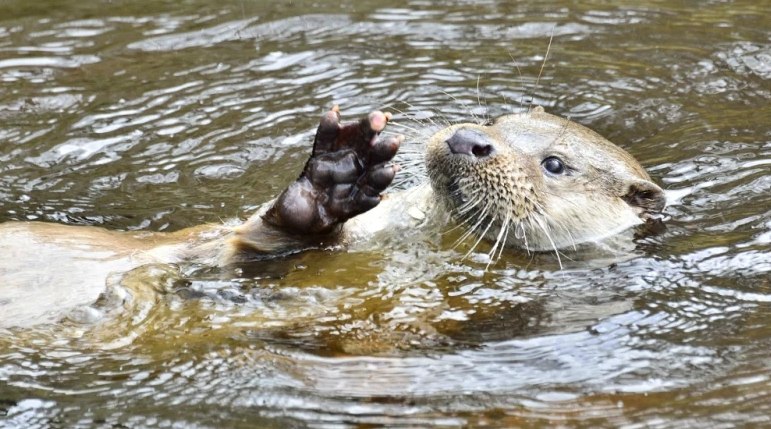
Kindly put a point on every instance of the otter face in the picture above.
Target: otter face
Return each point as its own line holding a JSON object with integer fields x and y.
{"x": 539, "y": 182}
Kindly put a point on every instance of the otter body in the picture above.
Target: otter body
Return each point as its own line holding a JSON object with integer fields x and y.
{"x": 532, "y": 181}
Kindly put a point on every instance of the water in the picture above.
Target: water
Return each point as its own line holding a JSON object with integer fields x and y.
{"x": 155, "y": 116}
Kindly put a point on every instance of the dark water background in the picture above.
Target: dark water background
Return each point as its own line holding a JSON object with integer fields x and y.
{"x": 155, "y": 116}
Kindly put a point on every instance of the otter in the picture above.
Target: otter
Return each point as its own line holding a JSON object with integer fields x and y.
{"x": 531, "y": 180}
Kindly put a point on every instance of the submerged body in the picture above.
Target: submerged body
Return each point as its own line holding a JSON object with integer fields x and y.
{"x": 532, "y": 181}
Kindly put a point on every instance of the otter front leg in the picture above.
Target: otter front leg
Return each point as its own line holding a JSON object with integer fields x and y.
{"x": 345, "y": 175}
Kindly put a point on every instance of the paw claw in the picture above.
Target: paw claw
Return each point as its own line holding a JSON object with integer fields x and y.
{"x": 331, "y": 119}
{"x": 377, "y": 121}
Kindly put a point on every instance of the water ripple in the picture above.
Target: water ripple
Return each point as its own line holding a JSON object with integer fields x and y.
{"x": 146, "y": 117}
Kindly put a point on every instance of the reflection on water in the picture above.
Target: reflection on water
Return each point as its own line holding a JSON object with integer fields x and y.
{"x": 154, "y": 117}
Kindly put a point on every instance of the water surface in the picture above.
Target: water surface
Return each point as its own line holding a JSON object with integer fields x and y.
{"x": 155, "y": 116}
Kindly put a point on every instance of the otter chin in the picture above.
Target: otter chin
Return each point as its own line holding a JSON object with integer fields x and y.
{"x": 532, "y": 181}
{"x": 538, "y": 182}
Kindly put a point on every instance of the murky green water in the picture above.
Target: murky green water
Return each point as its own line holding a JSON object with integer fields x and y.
{"x": 155, "y": 116}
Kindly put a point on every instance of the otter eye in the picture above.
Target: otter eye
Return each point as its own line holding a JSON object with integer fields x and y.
{"x": 553, "y": 165}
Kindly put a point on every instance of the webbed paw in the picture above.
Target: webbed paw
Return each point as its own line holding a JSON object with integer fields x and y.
{"x": 344, "y": 177}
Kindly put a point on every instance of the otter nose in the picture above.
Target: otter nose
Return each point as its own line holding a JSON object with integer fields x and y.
{"x": 471, "y": 143}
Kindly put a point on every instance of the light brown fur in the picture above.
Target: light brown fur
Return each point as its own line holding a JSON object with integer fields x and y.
{"x": 510, "y": 199}
{"x": 48, "y": 269}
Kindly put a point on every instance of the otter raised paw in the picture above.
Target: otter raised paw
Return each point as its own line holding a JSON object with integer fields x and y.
{"x": 345, "y": 175}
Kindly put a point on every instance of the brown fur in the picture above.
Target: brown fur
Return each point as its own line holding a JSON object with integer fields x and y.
{"x": 48, "y": 269}
{"x": 513, "y": 201}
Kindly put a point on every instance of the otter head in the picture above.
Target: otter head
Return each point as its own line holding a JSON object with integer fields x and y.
{"x": 539, "y": 182}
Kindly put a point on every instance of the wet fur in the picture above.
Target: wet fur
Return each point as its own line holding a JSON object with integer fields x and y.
{"x": 505, "y": 199}
{"x": 510, "y": 200}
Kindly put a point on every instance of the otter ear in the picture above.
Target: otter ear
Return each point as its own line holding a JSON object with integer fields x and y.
{"x": 646, "y": 195}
